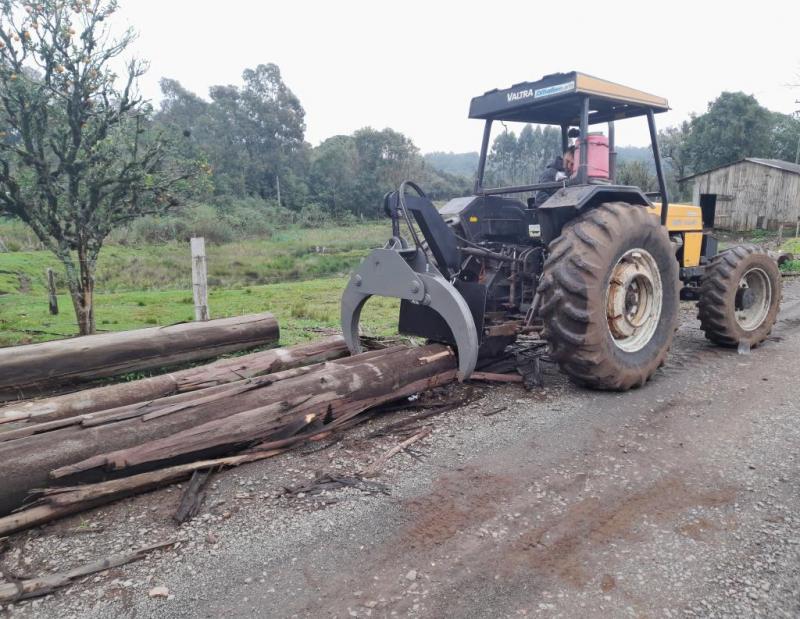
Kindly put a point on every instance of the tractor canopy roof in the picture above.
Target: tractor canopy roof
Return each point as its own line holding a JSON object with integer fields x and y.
{"x": 556, "y": 100}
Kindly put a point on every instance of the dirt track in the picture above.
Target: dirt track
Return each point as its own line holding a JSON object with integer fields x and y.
{"x": 677, "y": 499}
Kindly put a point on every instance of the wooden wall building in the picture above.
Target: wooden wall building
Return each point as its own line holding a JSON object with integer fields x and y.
{"x": 750, "y": 194}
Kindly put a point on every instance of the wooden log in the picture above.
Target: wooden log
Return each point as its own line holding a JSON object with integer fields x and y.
{"x": 54, "y": 503}
{"x": 220, "y": 372}
{"x": 37, "y": 587}
{"x": 28, "y": 370}
{"x": 159, "y": 407}
{"x": 278, "y": 425}
{"x": 295, "y": 405}
{"x": 333, "y": 395}
{"x": 60, "y": 502}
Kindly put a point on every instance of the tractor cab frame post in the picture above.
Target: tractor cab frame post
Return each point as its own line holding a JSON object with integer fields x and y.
{"x": 651, "y": 124}
{"x": 487, "y": 134}
{"x": 583, "y": 166}
{"x": 612, "y": 153}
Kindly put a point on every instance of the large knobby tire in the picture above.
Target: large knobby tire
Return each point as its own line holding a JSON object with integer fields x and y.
{"x": 740, "y": 297}
{"x": 610, "y": 296}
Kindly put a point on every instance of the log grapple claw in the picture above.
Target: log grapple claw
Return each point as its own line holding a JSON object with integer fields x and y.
{"x": 407, "y": 274}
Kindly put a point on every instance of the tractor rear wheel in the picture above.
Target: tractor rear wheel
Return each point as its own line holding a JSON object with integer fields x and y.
{"x": 740, "y": 297}
{"x": 610, "y": 296}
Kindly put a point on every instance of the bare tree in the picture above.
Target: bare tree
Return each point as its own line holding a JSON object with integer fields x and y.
{"x": 75, "y": 159}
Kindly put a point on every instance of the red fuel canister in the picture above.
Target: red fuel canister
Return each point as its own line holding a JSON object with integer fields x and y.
{"x": 598, "y": 155}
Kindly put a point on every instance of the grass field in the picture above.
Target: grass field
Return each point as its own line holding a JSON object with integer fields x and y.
{"x": 291, "y": 254}
{"x": 148, "y": 286}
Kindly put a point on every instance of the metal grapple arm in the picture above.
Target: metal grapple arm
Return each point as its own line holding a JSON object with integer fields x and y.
{"x": 407, "y": 274}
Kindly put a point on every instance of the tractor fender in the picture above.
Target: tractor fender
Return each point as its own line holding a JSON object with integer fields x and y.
{"x": 568, "y": 202}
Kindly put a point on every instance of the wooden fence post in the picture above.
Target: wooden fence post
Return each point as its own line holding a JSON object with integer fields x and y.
{"x": 200, "y": 279}
{"x": 51, "y": 288}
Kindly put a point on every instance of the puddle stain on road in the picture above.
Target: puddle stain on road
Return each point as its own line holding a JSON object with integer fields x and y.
{"x": 457, "y": 502}
{"x": 564, "y": 548}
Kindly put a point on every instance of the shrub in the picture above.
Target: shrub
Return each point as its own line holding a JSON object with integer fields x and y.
{"x": 791, "y": 266}
{"x": 249, "y": 222}
{"x": 312, "y": 216}
{"x": 153, "y": 230}
{"x": 348, "y": 218}
{"x": 207, "y": 223}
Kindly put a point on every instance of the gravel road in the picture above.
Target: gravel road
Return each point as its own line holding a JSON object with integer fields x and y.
{"x": 678, "y": 499}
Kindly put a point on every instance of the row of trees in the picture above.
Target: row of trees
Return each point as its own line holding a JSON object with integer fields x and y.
{"x": 252, "y": 137}
{"x": 521, "y": 160}
{"x": 733, "y": 127}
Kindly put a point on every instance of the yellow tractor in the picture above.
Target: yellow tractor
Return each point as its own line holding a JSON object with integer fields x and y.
{"x": 599, "y": 268}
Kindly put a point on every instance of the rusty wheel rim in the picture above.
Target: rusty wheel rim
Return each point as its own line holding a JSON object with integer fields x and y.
{"x": 634, "y": 297}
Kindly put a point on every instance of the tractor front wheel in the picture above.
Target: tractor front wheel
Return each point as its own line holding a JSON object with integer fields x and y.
{"x": 740, "y": 297}
{"x": 610, "y": 296}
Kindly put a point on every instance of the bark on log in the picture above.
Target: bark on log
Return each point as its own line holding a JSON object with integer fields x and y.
{"x": 31, "y": 369}
{"x": 182, "y": 401}
{"x": 193, "y": 379}
{"x": 205, "y": 426}
{"x": 36, "y": 587}
{"x": 493, "y": 377}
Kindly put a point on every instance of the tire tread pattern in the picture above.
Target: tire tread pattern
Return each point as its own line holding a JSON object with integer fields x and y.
{"x": 716, "y": 296}
{"x": 573, "y": 295}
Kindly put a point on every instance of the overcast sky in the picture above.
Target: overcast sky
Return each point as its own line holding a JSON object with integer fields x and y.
{"x": 414, "y": 65}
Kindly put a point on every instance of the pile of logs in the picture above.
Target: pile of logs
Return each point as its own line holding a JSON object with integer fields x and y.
{"x": 72, "y": 452}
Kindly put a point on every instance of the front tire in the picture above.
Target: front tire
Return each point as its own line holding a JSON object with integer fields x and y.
{"x": 610, "y": 297}
{"x": 740, "y": 297}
